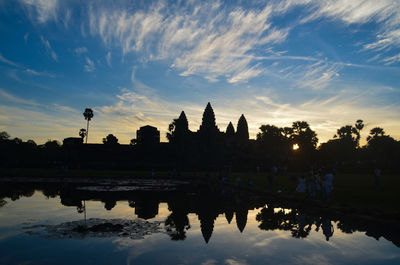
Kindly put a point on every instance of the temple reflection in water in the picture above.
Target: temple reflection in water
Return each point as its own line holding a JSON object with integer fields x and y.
{"x": 208, "y": 204}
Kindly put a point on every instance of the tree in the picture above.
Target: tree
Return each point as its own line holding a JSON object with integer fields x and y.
{"x": 359, "y": 126}
{"x": 17, "y": 140}
{"x": 88, "y": 114}
{"x": 287, "y": 132}
{"x": 344, "y": 144}
{"x": 31, "y": 143}
{"x": 383, "y": 150}
{"x": 304, "y": 136}
{"x": 242, "y": 131}
{"x": 176, "y": 225}
{"x": 110, "y": 140}
{"x": 133, "y": 141}
{"x": 375, "y": 132}
{"x": 270, "y": 138}
{"x": 4, "y": 136}
{"x": 269, "y": 132}
{"x": 52, "y": 144}
{"x": 348, "y": 135}
{"x": 82, "y": 133}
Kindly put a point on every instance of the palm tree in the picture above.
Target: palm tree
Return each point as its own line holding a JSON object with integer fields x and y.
{"x": 88, "y": 114}
{"x": 359, "y": 126}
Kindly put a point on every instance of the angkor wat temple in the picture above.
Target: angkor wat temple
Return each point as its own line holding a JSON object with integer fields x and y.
{"x": 208, "y": 134}
{"x": 207, "y": 148}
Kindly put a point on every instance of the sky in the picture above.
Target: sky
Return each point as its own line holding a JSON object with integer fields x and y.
{"x": 139, "y": 63}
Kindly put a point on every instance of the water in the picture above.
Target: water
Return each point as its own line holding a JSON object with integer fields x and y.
{"x": 201, "y": 227}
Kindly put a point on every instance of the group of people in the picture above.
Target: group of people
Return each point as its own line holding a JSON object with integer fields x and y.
{"x": 319, "y": 182}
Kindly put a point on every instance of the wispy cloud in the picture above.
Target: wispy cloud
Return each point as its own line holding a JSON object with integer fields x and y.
{"x": 135, "y": 108}
{"x": 28, "y": 119}
{"x": 133, "y": 74}
{"x": 108, "y": 58}
{"x": 201, "y": 39}
{"x": 36, "y": 73}
{"x": 22, "y": 69}
{"x": 26, "y": 36}
{"x": 6, "y": 61}
{"x": 80, "y": 50}
{"x": 67, "y": 17}
{"x": 17, "y": 100}
{"x": 41, "y": 10}
{"x": 384, "y": 13}
{"x": 386, "y": 40}
{"x": 392, "y": 60}
{"x": 209, "y": 262}
{"x": 313, "y": 259}
{"x": 49, "y": 49}
{"x": 89, "y": 66}
{"x": 235, "y": 261}
{"x": 319, "y": 75}
{"x": 245, "y": 74}
{"x": 7, "y": 97}
{"x": 39, "y": 124}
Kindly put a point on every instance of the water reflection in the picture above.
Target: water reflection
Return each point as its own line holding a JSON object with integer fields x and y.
{"x": 273, "y": 215}
{"x": 299, "y": 223}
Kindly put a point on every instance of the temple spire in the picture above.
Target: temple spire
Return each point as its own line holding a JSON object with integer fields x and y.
{"x": 183, "y": 122}
{"x": 242, "y": 131}
{"x": 208, "y": 121}
{"x": 230, "y": 131}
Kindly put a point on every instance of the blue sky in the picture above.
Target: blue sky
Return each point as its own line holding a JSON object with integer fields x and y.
{"x": 142, "y": 62}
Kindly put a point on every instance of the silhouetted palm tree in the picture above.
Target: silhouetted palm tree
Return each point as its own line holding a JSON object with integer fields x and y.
{"x": 88, "y": 114}
{"x": 359, "y": 126}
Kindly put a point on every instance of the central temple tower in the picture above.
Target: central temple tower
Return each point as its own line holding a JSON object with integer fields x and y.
{"x": 208, "y": 125}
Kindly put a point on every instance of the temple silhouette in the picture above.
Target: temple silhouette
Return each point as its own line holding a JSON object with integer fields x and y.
{"x": 208, "y": 148}
{"x": 208, "y": 135}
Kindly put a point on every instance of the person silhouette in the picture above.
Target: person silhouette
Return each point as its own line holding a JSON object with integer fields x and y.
{"x": 301, "y": 187}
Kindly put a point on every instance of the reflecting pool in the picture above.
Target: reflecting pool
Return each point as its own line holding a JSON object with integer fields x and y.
{"x": 61, "y": 223}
